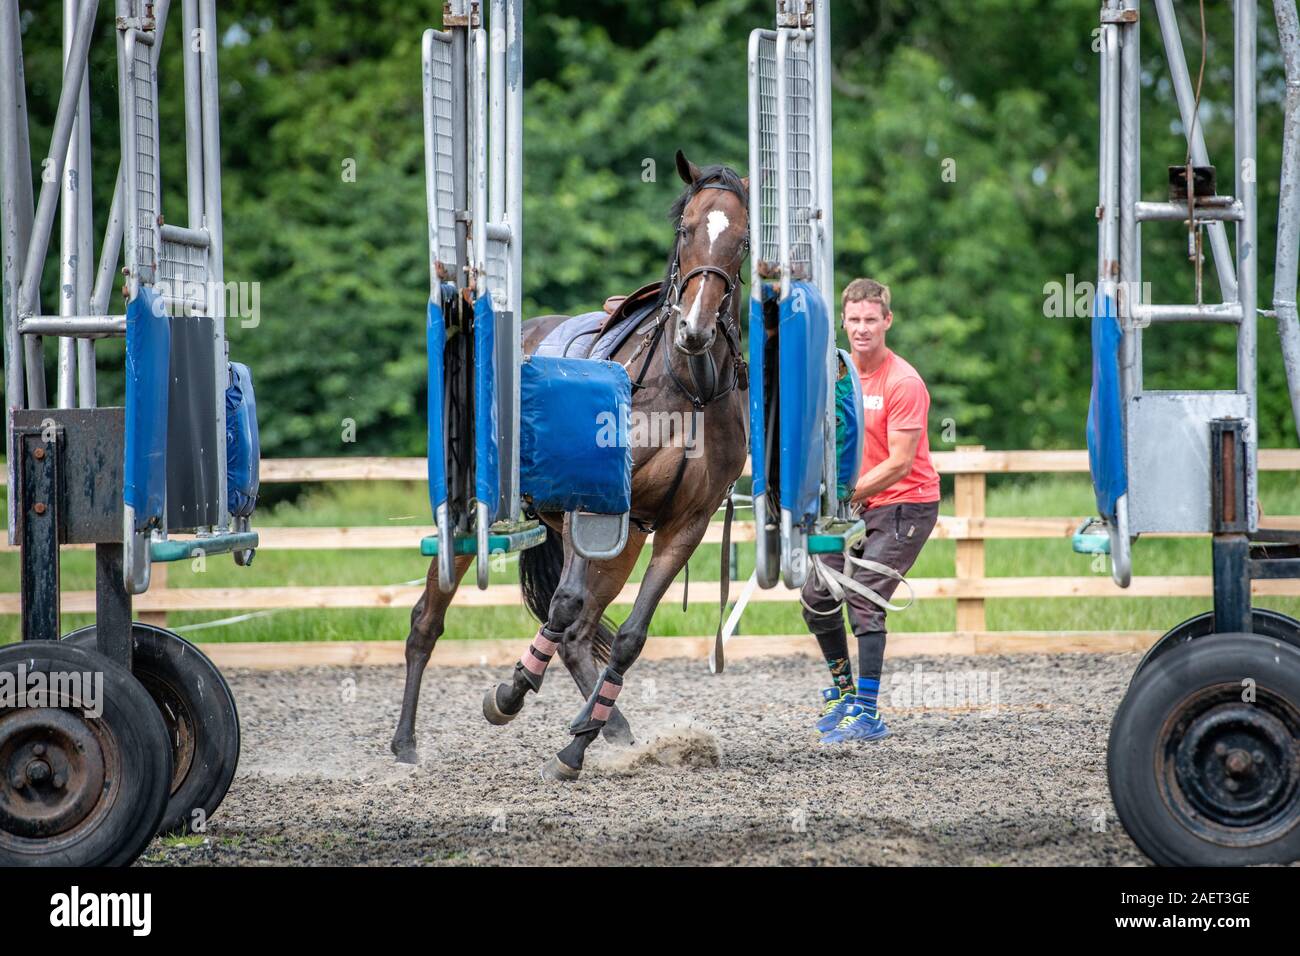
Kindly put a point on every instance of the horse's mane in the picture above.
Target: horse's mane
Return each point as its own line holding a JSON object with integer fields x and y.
{"x": 715, "y": 175}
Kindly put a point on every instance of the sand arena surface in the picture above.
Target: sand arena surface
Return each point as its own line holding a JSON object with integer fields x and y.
{"x": 994, "y": 760}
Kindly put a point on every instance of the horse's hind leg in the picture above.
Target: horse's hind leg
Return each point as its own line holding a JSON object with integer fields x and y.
{"x": 503, "y": 703}
{"x": 672, "y": 547}
{"x": 426, "y": 627}
{"x": 586, "y": 646}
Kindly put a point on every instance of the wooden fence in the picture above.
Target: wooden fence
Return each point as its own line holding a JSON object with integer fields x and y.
{"x": 969, "y": 527}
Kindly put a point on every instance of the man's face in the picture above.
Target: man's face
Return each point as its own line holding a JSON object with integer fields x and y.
{"x": 866, "y": 324}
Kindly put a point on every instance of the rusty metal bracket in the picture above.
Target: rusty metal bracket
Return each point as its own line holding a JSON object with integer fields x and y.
{"x": 473, "y": 19}
{"x": 1119, "y": 16}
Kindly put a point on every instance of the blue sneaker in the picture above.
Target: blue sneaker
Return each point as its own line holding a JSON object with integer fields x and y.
{"x": 857, "y": 725}
{"x": 833, "y": 710}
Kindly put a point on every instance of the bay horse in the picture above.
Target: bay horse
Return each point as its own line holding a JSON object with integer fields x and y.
{"x": 686, "y": 361}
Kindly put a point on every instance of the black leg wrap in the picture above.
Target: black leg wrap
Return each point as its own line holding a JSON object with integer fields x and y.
{"x": 587, "y": 721}
{"x": 523, "y": 676}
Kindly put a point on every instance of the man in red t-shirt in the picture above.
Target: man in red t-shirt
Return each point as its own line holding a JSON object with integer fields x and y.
{"x": 898, "y": 498}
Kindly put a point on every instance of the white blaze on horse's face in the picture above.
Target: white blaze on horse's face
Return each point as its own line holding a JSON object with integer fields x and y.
{"x": 717, "y": 225}
{"x": 704, "y": 267}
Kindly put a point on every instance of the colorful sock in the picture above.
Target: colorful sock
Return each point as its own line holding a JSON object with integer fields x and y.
{"x": 841, "y": 674}
{"x": 868, "y": 692}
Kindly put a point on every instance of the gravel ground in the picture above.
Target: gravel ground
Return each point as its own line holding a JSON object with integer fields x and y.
{"x": 993, "y": 761}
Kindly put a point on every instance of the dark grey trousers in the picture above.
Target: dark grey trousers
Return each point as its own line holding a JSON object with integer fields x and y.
{"x": 895, "y": 536}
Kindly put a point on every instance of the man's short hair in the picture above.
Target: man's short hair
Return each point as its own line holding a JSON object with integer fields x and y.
{"x": 866, "y": 290}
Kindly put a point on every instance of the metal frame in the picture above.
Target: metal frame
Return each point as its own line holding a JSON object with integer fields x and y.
{"x": 1211, "y": 484}
{"x": 473, "y": 140}
{"x": 792, "y": 224}
{"x": 84, "y": 437}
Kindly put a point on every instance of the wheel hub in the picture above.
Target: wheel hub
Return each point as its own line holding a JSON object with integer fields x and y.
{"x": 52, "y": 771}
{"x": 1233, "y": 765}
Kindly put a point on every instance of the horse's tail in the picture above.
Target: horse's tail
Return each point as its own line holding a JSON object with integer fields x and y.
{"x": 539, "y": 577}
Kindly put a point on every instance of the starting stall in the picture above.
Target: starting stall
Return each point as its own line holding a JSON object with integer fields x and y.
{"x": 119, "y": 730}
{"x": 509, "y": 437}
{"x": 1204, "y": 757}
{"x": 798, "y": 512}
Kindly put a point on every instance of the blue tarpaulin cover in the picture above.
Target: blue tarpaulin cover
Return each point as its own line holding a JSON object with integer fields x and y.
{"x": 573, "y": 448}
{"x": 805, "y": 336}
{"x": 1105, "y": 411}
{"x": 757, "y": 432}
{"x": 487, "y": 474}
{"x": 849, "y": 433}
{"x": 148, "y": 363}
{"x": 243, "y": 445}
{"x": 435, "y": 338}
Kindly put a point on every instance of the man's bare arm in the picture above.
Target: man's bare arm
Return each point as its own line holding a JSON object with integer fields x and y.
{"x": 902, "y": 453}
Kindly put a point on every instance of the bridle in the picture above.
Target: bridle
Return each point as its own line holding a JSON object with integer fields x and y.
{"x": 701, "y": 366}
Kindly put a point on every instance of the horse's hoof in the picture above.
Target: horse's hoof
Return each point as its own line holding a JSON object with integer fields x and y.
{"x": 556, "y": 770}
{"x": 493, "y": 713}
{"x": 405, "y": 752}
{"x": 617, "y": 731}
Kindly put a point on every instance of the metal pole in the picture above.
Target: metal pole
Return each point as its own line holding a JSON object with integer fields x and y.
{"x": 193, "y": 115}
{"x": 824, "y": 235}
{"x": 1173, "y": 41}
{"x": 69, "y": 208}
{"x": 782, "y": 163}
{"x": 1108, "y": 184}
{"x": 1245, "y": 26}
{"x": 68, "y": 98}
{"x": 478, "y": 154}
{"x": 14, "y": 242}
{"x": 1130, "y": 191}
{"x": 1288, "y": 216}
{"x": 497, "y": 112}
{"x": 515, "y": 214}
{"x": 212, "y": 215}
{"x": 86, "y": 379}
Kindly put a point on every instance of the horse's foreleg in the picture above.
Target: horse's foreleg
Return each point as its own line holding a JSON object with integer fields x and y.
{"x": 504, "y": 702}
{"x": 580, "y": 652}
{"x": 426, "y": 627}
{"x": 672, "y": 548}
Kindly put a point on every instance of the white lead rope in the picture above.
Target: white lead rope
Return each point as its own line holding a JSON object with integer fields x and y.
{"x": 836, "y": 583}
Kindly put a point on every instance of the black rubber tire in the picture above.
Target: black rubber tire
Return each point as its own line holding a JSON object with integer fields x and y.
{"x": 201, "y": 717}
{"x": 1263, "y": 621}
{"x": 1204, "y": 679}
{"x": 128, "y": 738}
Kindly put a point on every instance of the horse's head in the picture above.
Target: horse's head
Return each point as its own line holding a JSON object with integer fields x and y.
{"x": 712, "y": 217}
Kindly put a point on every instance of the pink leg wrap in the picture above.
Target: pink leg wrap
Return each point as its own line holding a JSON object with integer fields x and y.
{"x": 541, "y": 645}
{"x": 608, "y": 690}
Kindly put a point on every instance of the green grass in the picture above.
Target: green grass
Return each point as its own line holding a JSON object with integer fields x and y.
{"x": 404, "y": 503}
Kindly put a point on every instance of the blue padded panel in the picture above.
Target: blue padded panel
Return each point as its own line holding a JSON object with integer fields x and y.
{"x": 435, "y": 339}
{"x": 757, "y": 433}
{"x": 243, "y": 445}
{"x": 487, "y": 455}
{"x": 573, "y": 448}
{"x": 848, "y": 418}
{"x": 1105, "y": 427}
{"x": 148, "y": 359}
{"x": 805, "y": 338}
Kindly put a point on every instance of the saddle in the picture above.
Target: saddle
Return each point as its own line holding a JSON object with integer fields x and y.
{"x": 598, "y": 335}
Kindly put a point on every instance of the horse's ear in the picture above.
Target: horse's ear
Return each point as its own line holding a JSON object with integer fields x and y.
{"x": 687, "y": 169}
{"x": 746, "y": 182}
